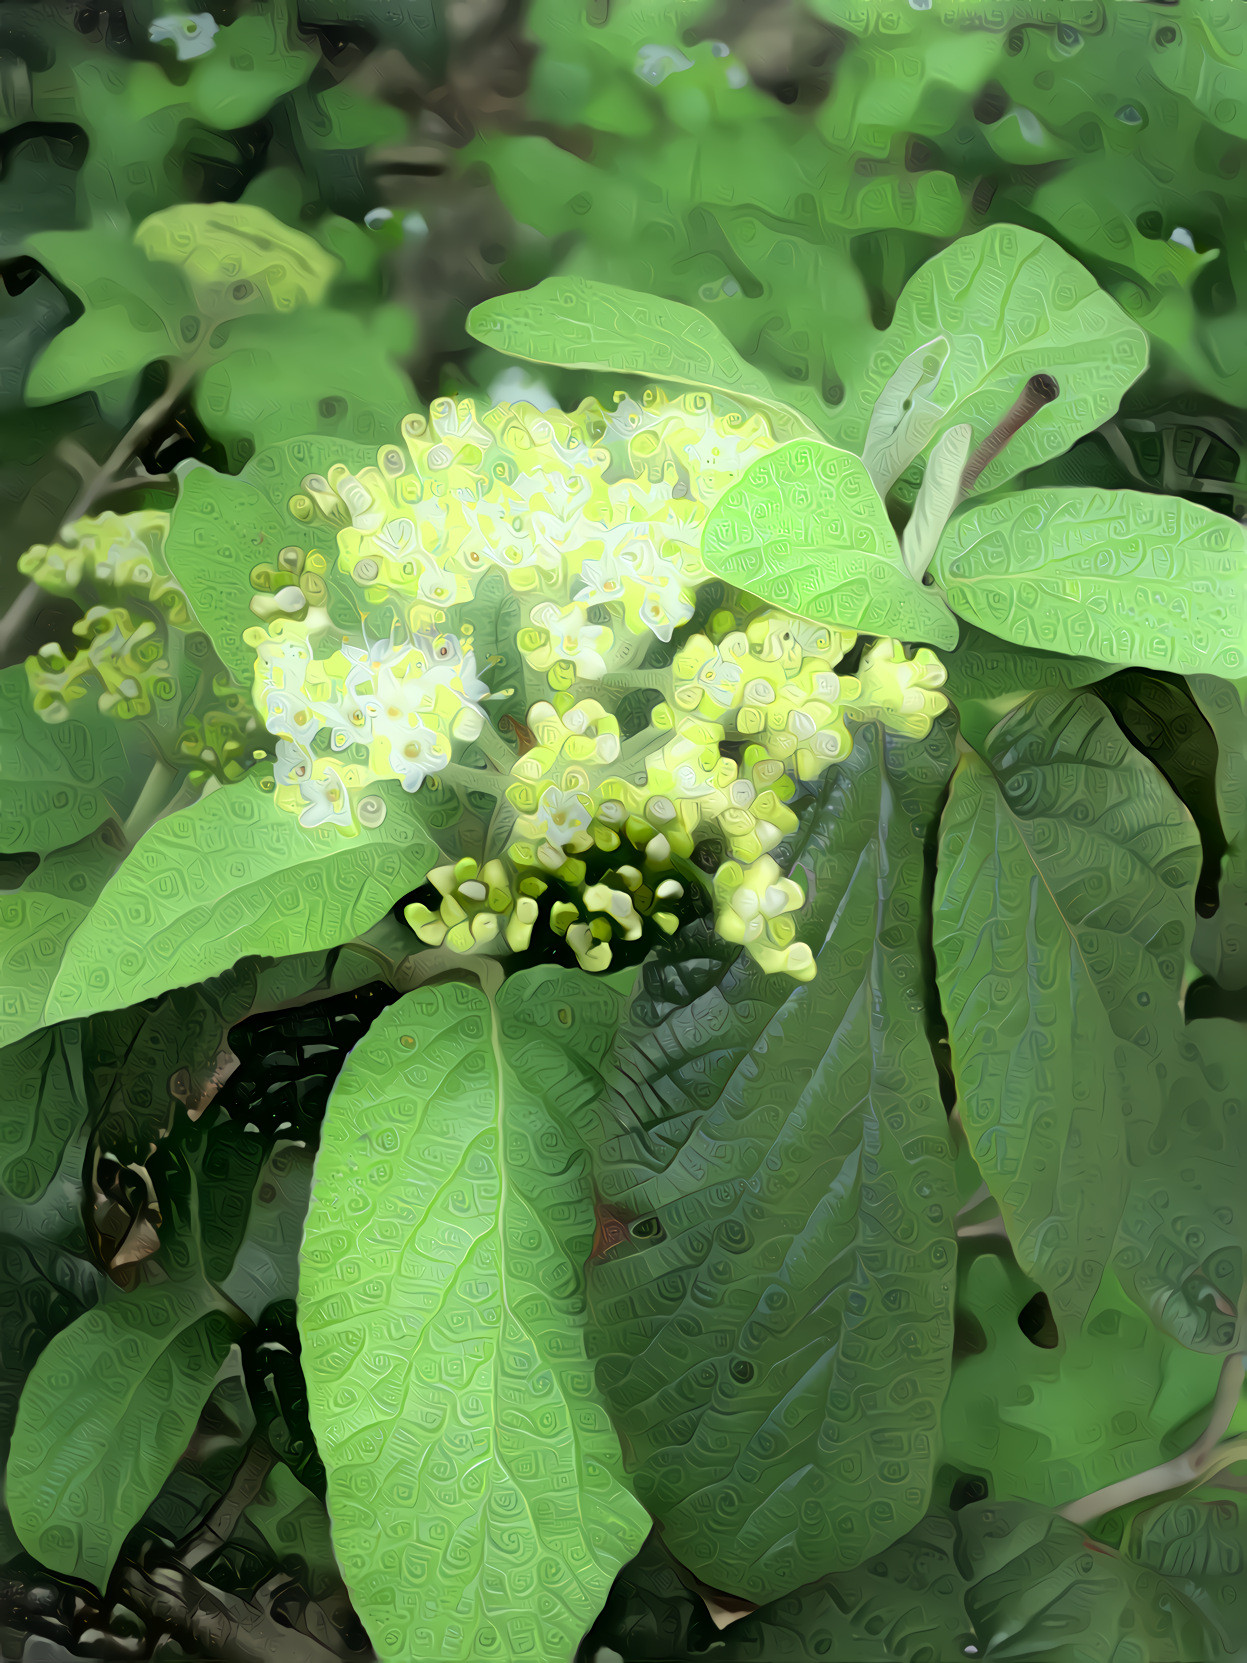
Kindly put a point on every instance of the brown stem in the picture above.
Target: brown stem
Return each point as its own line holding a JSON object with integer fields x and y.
{"x": 212, "y": 1534}
{"x": 1038, "y": 391}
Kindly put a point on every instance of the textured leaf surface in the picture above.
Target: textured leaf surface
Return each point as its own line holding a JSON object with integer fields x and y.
{"x": 229, "y": 876}
{"x": 105, "y": 1413}
{"x": 772, "y": 1286}
{"x": 1039, "y": 1589}
{"x": 1199, "y": 1545}
{"x": 1220, "y": 945}
{"x": 1117, "y": 575}
{"x": 43, "y": 1104}
{"x": 221, "y": 529}
{"x": 584, "y": 324}
{"x": 805, "y": 529}
{"x": 903, "y": 1605}
{"x": 1063, "y": 906}
{"x": 58, "y": 780}
{"x": 1011, "y": 305}
{"x": 473, "y": 1488}
{"x": 985, "y": 667}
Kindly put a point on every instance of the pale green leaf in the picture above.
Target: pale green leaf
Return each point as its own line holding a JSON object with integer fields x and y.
{"x": 771, "y": 1290}
{"x": 804, "y": 529}
{"x": 1121, "y": 576}
{"x": 232, "y": 252}
{"x": 1064, "y": 898}
{"x": 105, "y": 1413}
{"x": 474, "y": 1488}
{"x": 230, "y": 876}
{"x": 583, "y": 324}
{"x": 1012, "y": 305}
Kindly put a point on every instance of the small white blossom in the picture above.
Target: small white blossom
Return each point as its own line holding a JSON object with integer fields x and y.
{"x": 192, "y": 34}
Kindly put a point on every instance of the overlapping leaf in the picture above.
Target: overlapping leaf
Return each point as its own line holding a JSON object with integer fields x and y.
{"x": 473, "y": 1476}
{"x": 805, "y": 529}
{"x": 1121, "y": 576}
{"x": 771, "y": 1289}
{"x": 1063, "y": 910}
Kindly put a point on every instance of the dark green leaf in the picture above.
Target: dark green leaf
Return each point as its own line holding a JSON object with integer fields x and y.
{"x": 1063, "y": 909}
{"x": 771, "y": 1290}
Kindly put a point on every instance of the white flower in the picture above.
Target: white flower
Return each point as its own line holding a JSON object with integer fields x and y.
{"x": 665, "y": 602}
{"x": 561, "y": 816}
{"x": 293, "y": 763}
{"x": 192, "y": 35}
{"x": 416, "y": 751}
{"x": 327, "y": 801}
{"x": 574, "y": 638}
{"x": 604, "y": 580}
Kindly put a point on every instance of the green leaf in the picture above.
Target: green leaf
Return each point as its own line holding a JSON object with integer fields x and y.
{"x": 473, "y": 1485}
{"x": 1039, "y": 1589}
{"x": 222, "y": 248}
{"x": 1048, "y": 1424}
{"x": 106, "y": 1411}
{"x": 804, "y": 529}
{"x": 583, "y": 324}
{"x": 903, "y": 1605}
{"x": 220, "y": 530}
{"x": 266, "y": 1266}
{"x": 1011, "y": 305}
{"x": 229, "y": 876}
{"x": 314, "y": 371}
{"x": 1117, "y": 575}
{"x": 1064, "y": 896}
{"x": 771, "y": 1291}
{"x": 58, "y": 780}
{"x": 254, "y": 61}
{"x": 43, "y": 1106}
{"x": 985, "y": 667}
{"x": 1199, "y": 1546}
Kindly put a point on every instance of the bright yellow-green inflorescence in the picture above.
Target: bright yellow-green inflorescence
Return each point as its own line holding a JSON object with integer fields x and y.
{"x": 592, "y": 521}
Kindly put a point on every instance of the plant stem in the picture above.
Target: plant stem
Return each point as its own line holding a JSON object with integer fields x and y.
{"x": 1192, "y": 1464}
{"x": 210, "y": 1536}
{"x": 152, "y": 799}
{"x": 180, "y": 378}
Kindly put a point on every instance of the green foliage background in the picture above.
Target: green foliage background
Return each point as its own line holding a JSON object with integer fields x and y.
{"x": 786, "y": 170}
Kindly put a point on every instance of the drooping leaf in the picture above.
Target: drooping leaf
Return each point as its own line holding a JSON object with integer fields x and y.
{"x": 105, "y": 1412}
{"x": 266, "y": 1266}
{"x": 58, "y": 780}
{"x": 771, "y": 1289}
{"x": 1011, "y": 305}
{"x": 583, "y": 324}
{"x": 984, "y": 667}
{"x": 473, "y": 1476}
{"x": 805, "y": 529}
{"x": 902, "y": 1605}
{"x": 1118, "y": 575}
{"x": 1063, "y": 907}
{"x": 230, "y": 876}
{"x": 1039, "y": 1589}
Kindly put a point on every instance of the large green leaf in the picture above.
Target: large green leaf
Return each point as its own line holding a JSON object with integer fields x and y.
{"x": 583, "y": 324}
{"x": 473, "y": 1475}
{"x": 996, "y": 309}
{"x": 229, "y": 876}
{"x": 805, "y": 529}
{"x": 58, "y": 780}
{"x": 771, "y": 1293}
{"x": 105, "y": 1412}
{"x": 1199, "y": 1545}
{"x": 1122, "y": 576}
{"x": 1063, "y": 908}
{"x": 1040, "y": 1592}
